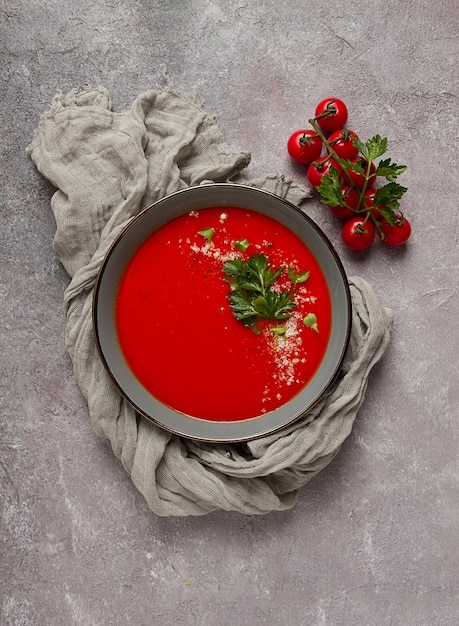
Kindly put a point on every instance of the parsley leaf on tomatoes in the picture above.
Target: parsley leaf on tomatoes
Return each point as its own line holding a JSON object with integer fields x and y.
{"x": 355, "y": 165}
{"x": 330, "y": 189}
{"x": 389, "y": 195}
{"x": 389, "y": 170}
{"x": 373, "y": 148}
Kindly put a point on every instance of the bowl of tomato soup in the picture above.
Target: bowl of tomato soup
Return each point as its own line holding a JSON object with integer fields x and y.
{"x": 222, "y": 313}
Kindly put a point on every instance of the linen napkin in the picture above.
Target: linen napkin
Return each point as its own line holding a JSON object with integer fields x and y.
{"x": 106, "y": 167}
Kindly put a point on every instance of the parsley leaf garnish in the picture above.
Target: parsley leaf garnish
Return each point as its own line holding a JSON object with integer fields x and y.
{"x": 207, "y": 233}
{"x": 242, "y": 244}
{"x": 296, "y": 279}
{"x": 251, "y": 296}
{"x": 311, "y": 321}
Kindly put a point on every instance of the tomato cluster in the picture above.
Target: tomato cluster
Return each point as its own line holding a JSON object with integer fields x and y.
{"x": 343, "y": 170}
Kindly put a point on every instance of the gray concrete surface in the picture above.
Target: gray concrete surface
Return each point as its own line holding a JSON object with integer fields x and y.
{"x": 373, "y": 540}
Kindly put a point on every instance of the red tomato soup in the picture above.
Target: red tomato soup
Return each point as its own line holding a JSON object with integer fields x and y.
{"x": 177, "y": 330}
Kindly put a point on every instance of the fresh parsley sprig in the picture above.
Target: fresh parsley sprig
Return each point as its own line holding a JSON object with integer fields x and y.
{"x": 252, "y": 296}
{"x": 387, "y": 196}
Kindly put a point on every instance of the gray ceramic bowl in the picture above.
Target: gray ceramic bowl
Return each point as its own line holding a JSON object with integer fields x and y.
{"x": 152, "y": 218}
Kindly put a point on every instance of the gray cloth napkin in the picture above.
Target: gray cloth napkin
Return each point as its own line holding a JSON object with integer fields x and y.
{"x": 106, "y": 167}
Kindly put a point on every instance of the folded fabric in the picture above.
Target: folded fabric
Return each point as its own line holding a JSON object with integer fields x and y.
{"x": 108, "y": 166}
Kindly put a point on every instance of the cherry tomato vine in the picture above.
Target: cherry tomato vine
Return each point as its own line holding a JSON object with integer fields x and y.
{"x": 347, "y": 174}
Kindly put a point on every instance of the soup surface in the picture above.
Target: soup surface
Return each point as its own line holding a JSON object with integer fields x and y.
{"x": 179, "y": 334}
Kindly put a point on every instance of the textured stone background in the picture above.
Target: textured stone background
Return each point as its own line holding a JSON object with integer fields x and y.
{"x": 373, "y": 540}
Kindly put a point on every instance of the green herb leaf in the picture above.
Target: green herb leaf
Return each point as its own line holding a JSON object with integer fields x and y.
{"x": 389, "y": 195}
{"x": 388, "y": 214}
{"x": 330, "y": 189}
{"x": 241, "y": 304}
{"x": 260, "y": 304}
{"x": 207, "y": 233}
{"x": 311, "y": 321}
{"x": 372, "y": 148}
{"x": 359, "y": 144}
{"x": 249, "y": 283}
{"x": 296, "y": 279}
{"x": 242, "y": 245}
{"x": 280, "y": 305}
{"x": 233, "y": 267}
{"x": 258, "y": 268}
{"x": 389, "y": 170}
{"x": 356, "y": 166}
{"x": 251, "y": 296}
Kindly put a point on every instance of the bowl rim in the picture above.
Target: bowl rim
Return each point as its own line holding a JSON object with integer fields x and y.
{"x": 225, "y": 435}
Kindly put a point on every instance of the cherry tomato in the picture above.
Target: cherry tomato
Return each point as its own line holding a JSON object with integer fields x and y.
{"x": 358, "y": 233}
{"x": 304, "y": 146}
{"x": 359, "y": 179}
{"x": 331, "y": 114}
{"x": 396, "y": 234}
{"x": 342, "y": 143}
{"x": 351, "y": 198}
{"x": 319, "y": 168}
